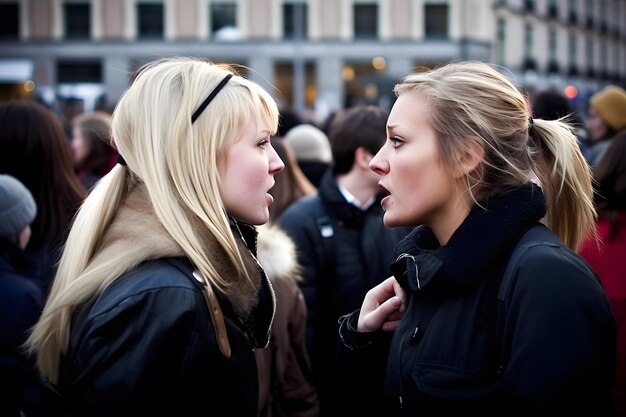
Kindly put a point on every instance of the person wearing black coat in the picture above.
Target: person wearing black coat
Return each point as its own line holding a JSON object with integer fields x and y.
{"x": 344, "y": 250}
{"x": 492, "y": 312}
{"x": 21, "y": 302}
{"x": 159, "y": 301}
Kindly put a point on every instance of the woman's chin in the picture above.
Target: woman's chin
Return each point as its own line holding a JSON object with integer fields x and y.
{"x": 389, "y": 220}
{"x": 262, "y": 218}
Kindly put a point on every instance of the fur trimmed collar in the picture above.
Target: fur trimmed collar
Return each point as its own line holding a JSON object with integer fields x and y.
{"x": 137, "y": 232}
{"x": 276, "y": 253}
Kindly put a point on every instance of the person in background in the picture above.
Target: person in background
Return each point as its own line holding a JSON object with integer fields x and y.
{"x": 492, "y": 311}
{"x": 291, "y": 184}
{"x": 312, "y": 150}
{"x": 70, "y": 108}
{"x": 344, "y": 250}
{"x": 553, "y": 105}
{"x": 91, "y": 148}
{"x": 21, "y": 302}
{"x": 285, "y": 379}
{"x": 34, "y": 149}
{"x": 607, "y": 256}
{"x": 159, "y": 300}
{"x": 607, "y": 118}
{"x": 288, "y": 119}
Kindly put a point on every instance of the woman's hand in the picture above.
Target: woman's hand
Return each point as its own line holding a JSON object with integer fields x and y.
{"x": 383, "y": 307}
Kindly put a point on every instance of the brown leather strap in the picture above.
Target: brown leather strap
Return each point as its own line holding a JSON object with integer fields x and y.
{"x": 216, "y": 315}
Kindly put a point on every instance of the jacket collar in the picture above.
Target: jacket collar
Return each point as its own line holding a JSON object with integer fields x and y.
{"x": 346, "y": 213}
{"x": 482, "y": 241}
{"x": 137, "y": 232}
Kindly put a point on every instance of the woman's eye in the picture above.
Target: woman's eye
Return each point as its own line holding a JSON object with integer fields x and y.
{"x": 263, "y": 142}
{"x": 397, "y": 142}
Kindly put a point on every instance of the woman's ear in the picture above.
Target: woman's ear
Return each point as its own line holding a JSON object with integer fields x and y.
{"x": 471, "y": 158}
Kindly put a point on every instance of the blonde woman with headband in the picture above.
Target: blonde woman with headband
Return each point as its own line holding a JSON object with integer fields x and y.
{"x": 493, "y": 312}
{"x": 159, "y": 301}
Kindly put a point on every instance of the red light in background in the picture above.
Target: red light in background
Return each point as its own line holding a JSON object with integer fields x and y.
{"x": 570, "y": 91}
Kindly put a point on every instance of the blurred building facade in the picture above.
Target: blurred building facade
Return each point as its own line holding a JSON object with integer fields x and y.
{"x": 314, "y": 55}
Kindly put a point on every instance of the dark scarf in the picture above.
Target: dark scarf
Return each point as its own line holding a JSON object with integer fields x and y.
{"x": 484, "y": 239}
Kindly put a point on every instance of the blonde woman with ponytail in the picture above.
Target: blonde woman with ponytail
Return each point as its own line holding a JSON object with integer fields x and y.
{"x": 494, "y": 313}
{"x": 159, "y": 301}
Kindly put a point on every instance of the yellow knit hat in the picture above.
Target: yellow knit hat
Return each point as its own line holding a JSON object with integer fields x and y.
{"x": 610, "y": 104}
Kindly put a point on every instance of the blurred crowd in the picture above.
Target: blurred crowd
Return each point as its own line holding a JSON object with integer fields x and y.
{"x": 326, "y": 206}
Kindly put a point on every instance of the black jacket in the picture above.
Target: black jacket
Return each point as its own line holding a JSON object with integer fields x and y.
{"x": 147, "y": 346}
{"x": 21, "y": 303}
{"x": 497, "y": 327}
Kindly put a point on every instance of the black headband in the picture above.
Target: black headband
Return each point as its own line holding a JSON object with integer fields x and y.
{"x": 210, "y": 97}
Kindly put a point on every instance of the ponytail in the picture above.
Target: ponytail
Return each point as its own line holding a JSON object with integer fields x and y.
{"x": 72, "y": 285}
{"x": 566, "y": 181}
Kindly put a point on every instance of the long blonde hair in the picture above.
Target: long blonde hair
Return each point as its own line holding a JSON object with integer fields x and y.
{"x": 473, "y": 107}
{"x": 177, "y": 162}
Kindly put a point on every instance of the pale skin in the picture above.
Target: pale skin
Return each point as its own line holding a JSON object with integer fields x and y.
{"x": 24, "y": 237}
{"x": 248, "y": 174}
{"x": 420, "y": 190}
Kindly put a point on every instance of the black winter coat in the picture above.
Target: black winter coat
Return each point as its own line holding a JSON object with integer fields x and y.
{"x": 147, "y": 347}
{"x": 21, "y": 303}
{"x": 497, "y": 327}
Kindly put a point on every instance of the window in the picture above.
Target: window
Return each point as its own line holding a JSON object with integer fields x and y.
{"x": 553, "y": 10}
{"x": 604, "y": 57}
{"x": 223, "y": 16}
{"x": 284, "y": 80}
{"x": 436, "y": 20}
{"x": 552, "y": 45}
{"x": 77, "y": 20}
{"x": 501, "y": 41}
{"x": 573, "y": 54}
{"x": 529, "y": 60}
{"x": 553, "y": 65}
{"x": 529, "y": 5}
{"x": 150, "y": 20}
{"x": 74, "y": 72}
{"x": 295, "y": 20}
{"x": 589, "y": 51}
{"x": 365, "y": 21}
{"x": 589, "y": 14}
{"x": 9, "y": 21}
{"x": 528, "y": 41}
{"x": 573, "y": 11}
{"x": 605, "y": 16}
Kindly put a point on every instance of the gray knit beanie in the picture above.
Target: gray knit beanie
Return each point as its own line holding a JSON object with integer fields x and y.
{"x": 309, "y": 144}
{"x": 17, "y": 207}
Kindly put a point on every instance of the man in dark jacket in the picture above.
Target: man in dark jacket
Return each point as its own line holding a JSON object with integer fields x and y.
{"x": 344, "y": 250}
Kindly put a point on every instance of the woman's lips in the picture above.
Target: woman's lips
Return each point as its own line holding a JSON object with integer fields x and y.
{"x": 387, "y": 197}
